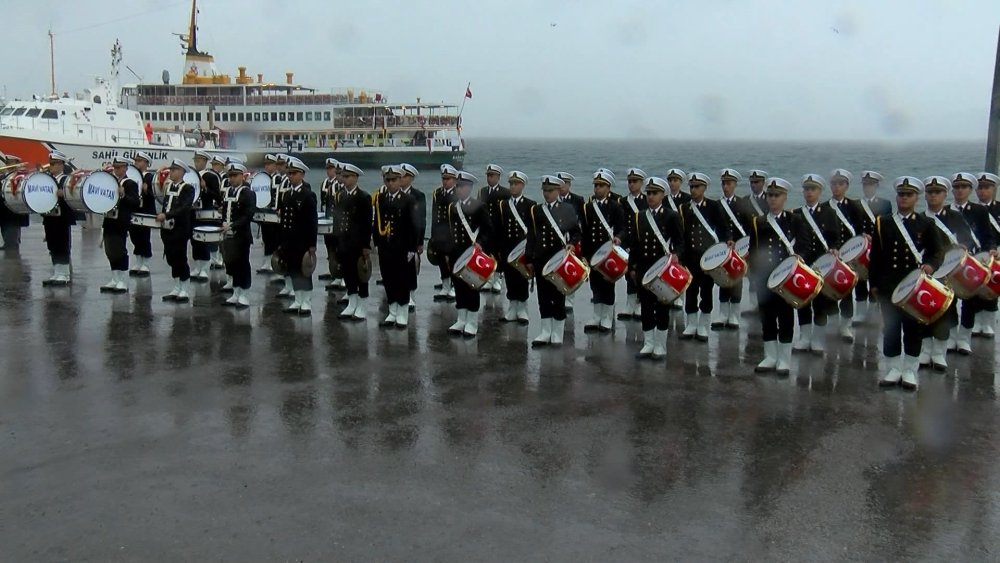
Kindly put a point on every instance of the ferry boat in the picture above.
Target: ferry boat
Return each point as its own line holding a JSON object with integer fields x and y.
{"x": 92, "y": 128}
{"x": 257, "y": 116}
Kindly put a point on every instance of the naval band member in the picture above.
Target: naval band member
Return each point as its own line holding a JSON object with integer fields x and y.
{"x": 353, "y": 225}
{"x": 208, "y": 200}
{"x": 494, "y": 195}
{"x": 269, "y": 231}
{"x": 603, "y": 221}
{"x": 872, "y": 208}
{"x": 297, "y": 211}
{"x": 704, "y": 224}
{"x": 848, "y": 224}
{"x": 468, "y": 225}
{"x": 58, "y": 224}
{"x": 441, "y": 198}
{"x": 737, "y": 220}
{"x": 141, "y": 237}
{"x": 175, "y": 217}
{"x": 633, "y": 203}
{"x": 238, "y": 207}
{"x": 984, "y": 240}
{"x": 116, "y": 224}
{"x": 328, "y": 191}
{"x": 395, "y": 235}
{"x": 410, "y": 174}
{"x": 512, "y": 229}
{"x": 822, "y": 237}
{"x": 986, "y": 193}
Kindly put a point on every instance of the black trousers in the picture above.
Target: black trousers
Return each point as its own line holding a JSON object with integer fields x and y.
{"x": 11, "y": 233}
{"x": 861, "y": 292}
{"x": 989, "y": 305}
{"x": 603, "y": 290}
{"x": 58, "y": 238}
{"x": 654, "y": 315}
{"x": 349, "y": 267}
{"x": 777, "y": 317}
{"x": 970, "y": 307}
{"x": 236, "y": 255}
{"x": 201, "y": 250}
{"x": 293, "y": 258}
{"x": 517, "y": 286}
{"x": 630, "y": 286}
{"x": 141, "y": 241}
{"x": 940, "y": 328}
{"x": 270, "y": 235}
{"x": 551, "y": 302}
{"x": 412, "y": 272}
{"x": 175, "y": 251}
{"x": 845, "y": 306}
{"x": 444, "y": 269}
{"x": 701, "y": 287}
{"x": 330, "y": 241}
{"x": 395, "y": 279}
{"x": 731, "y": 294}
{"x": 816, "y": 312}
{"x": 901, "y": 333}
{"x": 115, "y": 249}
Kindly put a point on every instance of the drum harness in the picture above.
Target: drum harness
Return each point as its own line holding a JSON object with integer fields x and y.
{"x": 701, "y": 219}
{"x": 600, "y": 215}
{"x": 656, "y": 231}
{"x": 843, "y": 220}
{"x": 732, "y": 216}
{"x": 781, "y": 234}
{"x": 944, "y": 228}
{"x": 898, "y": 220}
{"x": 972, "y": 232}
{"x": 812, "y": 224}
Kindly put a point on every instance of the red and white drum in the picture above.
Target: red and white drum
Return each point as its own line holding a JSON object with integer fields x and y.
{"x": 856, "y": 252}
{"x": 611, "y": 261}
{"x": 30, "y": 192}
{"x": 474, "y": 267}
{"x": 742, "y": 247}
{"x": 667, "y": 279}
{"x": 517, "y": 259}
{"x": 838, "y": 278}
{"x": 795, "y": 282}
{"x": 922, "y": 297}
{"x": 207, "y": 233}
{"x": 566, "y": 271}
{"x": 962, "y": 273}
{"x": 723, "y": 264}
{"x": 991, "y": 289}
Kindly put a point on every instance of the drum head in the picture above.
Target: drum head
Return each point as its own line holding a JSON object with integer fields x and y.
{"x": 192, "y": 177}
{"x": 655, "y": 270}
{"x": 906, "y": 286}
{"x": 554, "y": 262}
{"x": 602, "y": 252}
{"x": 39, "y": 191}
{"x": 463, "y": 260}
{"x": 823, "y": 264}
{"x": 208, "y": 229}
{"x": 715, "y": 256}
{"x": 853, "y": 248}
{"x": 260, "y": 185}
{"x": 518, "y": 251}
{"x": 743, "y": 246}
{"x": 951, "y": 260}
{"x": 100, "y": 192}
{"x": 781, "y": 272}
{"x": 133, "y": 173}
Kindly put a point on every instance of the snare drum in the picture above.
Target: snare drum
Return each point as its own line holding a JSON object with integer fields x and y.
{"x": 324, "y": 226}
{"x": 208, "y": 215}
{"x": 667, "y": 279}
{"x": 266, "y": 217}
{"x": 723, "y": 264}
{"x": 207, "y": 233}
{"x": 474, "y": 267}
{"x": 922, "y": 297}
{"x": 100, "y": 192}
{"x": 795, "y": 282}
{"x": 742, "y": 247}
{"x": 611, "y": 261}
{"x": 516, "y": 259}
{"x": 856, "y": 252}
{"x": 566, "y": 271}
{"x": 260, "y": 185}
{"x": 962, "y": 273}
{"x": 149, "y": 220}
{"x": 73, "y": 191}
{"x": 991, "y": 289}
{"x": 838, "y": 278}
{"x": 30, "y": 192}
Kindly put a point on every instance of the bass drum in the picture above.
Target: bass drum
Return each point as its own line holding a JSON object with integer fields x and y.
{"x": 73, "y": 193}
{"x": 30, "y": 192}
{"x": 161, "y": 183}
{"x": 100, "y": 192}
{"x": 260, "y": 185}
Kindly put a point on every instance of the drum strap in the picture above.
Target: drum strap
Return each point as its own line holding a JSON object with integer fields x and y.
{"x": 906, "y": 237}
{"x": 840, "y": 215}
{"x": 465, "y": 222}
{"x": 670, "y": 200}
{"x": 944, "y": 228}
{"x": 635, "y": 208}
{"x": 600, "y": 215}
{"x": 812, "y": 224}
{"x": 732, "y": 217}
{"x": 781, "y": 234}
{"x": 975, "y": 239}
{"x": 552, "y": 221}
{"x": 231, "y": 200}
{"x": 756, "y": 206}
{"x": 703, "y": 221}
{"x": 993, "y": 221}
{"x": 517, "y": 216}
{"x": 656, "y": 231}
{"x": 868, "y": 210}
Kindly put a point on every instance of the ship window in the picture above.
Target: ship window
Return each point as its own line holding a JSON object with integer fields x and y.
{"x": 33, "y": 112}
{"x": 298, "y": 116}
{"x": 241, "y": 117}
{"x": 256, "y": 116}
{"x": 225, "y": 117}
{"x": 282, "y": 117}
{"x": 197, "y": 116}
{"x": 218, "y": 116}
{"x": 7, "y": 111}
{"x": 50, "y": 114}
{"x": 232, "y": 116}
{"x": 274, "y": 116}
{"x": 177, "y": 116}
{"x": 160, "y": 118}
{"x": 309, "y": 116}
{"x": 318, "y": 115}
{"x": 265, "y": 115}
{"x": 326, "y": 116}
{"x": 20, "y": 111}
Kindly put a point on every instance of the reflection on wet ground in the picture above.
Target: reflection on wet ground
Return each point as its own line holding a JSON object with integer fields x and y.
{"x": 139, "y": 430}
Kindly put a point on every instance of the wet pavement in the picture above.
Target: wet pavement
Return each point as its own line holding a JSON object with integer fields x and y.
{"x": 138, "y": 430}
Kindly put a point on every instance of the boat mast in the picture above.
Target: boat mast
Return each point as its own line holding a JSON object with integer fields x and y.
{"x": 52, "y": 62}
{"x": 192, "y": 39}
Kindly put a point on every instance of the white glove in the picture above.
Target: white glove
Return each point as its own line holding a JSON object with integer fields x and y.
{"x": 411, "y": 256}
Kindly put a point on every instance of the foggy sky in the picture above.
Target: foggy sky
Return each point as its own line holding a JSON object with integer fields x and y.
{"x": 672, "y": 69}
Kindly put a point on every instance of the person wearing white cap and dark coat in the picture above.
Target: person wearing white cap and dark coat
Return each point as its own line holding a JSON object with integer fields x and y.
{"x": 774, "y": 236}
{"x": 441, "y": 199}
{"x": 116, "y": 225}
{"x": 395, "y": 236}
{"x": 209, "y": 199}
{"x": 141, "y": 237}
{"x": 705, "y": 223}
{"x": 603, "y": 221}
{"x": 238, "y": 207}
{"x": 633, "y": 204}
{"x": 178, "y": 204}
{"x": 737, "y": 219}
{"x": 848, "y": 225}
{"x": 872, "y": 207}
{"x": 554, "y": 226}
{"x": 297, "y": 211}
{"x": 353, "y": 224}
{"x": 283, "y": 187}
{"x": 469, "y": 225}
{"x": 984, "y": 238}
{"x": 676, "y": 196}
{"x": 576, "y": 202}
{"x": 58, "y": 225}
{"x": 328, "y": 191}
{"x": 903, "y": 242}
{"x": 512, "y": 228}
{"x": 493, "y": 195}
{"x": 10, "y": 223}
{"x": 410, "y": 173}
{"x": 986, "y": 194}
{"x": 754, "y": 204}
{"x": 821, "y": 238}
{"x": 269, "y": 231}
{"x": 658, "y": 232}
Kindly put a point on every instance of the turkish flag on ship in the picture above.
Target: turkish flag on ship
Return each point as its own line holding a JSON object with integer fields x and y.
{"x": 468, "y": 91}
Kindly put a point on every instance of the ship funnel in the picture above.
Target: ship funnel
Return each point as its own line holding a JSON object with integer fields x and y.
{"x": 260, "y": 78}
{"x": 288, "y": 77}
